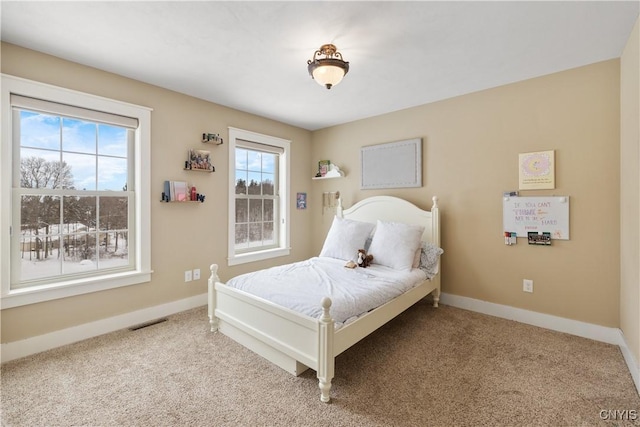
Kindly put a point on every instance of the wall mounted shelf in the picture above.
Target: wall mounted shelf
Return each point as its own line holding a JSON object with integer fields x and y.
{"x": 212, "y": 138}
{"x": 333, "y": 172}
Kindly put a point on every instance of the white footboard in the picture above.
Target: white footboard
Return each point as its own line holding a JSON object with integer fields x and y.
{"x": 286, "y": 338}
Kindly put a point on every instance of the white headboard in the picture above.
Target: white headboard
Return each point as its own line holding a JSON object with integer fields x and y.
{"x": 388, "y": 208}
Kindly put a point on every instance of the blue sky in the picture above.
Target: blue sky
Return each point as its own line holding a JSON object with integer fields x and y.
{"x": 95, "y": 152}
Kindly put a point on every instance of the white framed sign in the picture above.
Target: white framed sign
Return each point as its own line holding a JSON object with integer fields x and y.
{"x": 392, "y": 165}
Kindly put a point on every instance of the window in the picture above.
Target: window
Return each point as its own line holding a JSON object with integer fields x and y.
{"x": 77, "y": 193}
{"x": 258, "y": 208}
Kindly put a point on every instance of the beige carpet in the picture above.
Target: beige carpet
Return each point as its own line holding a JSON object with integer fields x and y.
{"x": 429, "y": 367}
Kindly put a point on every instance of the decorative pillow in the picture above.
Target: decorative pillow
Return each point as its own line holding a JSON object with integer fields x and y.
{"x": 428, "y": 262}
{"x": 394, "y": 244}
{"x": 345, "y": 237}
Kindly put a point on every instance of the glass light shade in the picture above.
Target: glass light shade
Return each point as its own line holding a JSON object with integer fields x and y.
{"x": 328, "y": 75}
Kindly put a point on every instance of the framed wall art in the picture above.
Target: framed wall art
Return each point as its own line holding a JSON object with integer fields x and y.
{"x": 537, "y": 170}
{"x": 392, "y": 165}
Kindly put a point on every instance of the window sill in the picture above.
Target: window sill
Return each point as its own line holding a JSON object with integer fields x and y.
{"x": 36, "y": 294}
{"x": 258, "y": 256}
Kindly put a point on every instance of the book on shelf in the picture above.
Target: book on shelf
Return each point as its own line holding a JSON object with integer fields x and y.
{"x": 176, "y": 191}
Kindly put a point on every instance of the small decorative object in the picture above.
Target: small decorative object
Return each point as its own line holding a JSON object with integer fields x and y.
{"x": 212, "y": 138}
{"x": 537, "y": 170}
{"x": 364, "y": 259}
{"x": 323, "y": 167}
{"x": 510, "y": 238}
{"x": 200, "y": 160}
{"x": 539, "y": 238}
{"x": 351, "y": 264}
{"x": 301, "y": 201}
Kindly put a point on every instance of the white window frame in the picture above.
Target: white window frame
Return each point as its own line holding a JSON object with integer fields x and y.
{"x": 283, "y": 247}
{"x": 142, "y": 206}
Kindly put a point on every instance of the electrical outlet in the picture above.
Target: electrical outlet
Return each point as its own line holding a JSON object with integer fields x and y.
{"x": 527, "y": 285}
{"x": 187, "y": 276}
{"x": 196, "y": 274}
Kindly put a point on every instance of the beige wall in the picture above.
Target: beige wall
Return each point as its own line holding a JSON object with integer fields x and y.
{"x": 183, "y": 236}
{"x": 630, "y": 192}
{"x": 470, "y": 155}
{"x": 470, "y": 148}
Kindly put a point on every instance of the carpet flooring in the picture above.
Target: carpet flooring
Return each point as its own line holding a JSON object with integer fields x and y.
{"x": 428, "y": 367}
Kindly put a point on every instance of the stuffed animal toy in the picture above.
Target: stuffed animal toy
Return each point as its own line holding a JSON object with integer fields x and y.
{"x": 364, "y": 259}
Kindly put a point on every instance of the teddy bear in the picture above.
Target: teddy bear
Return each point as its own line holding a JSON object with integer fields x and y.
{"x": 364, "y": 259}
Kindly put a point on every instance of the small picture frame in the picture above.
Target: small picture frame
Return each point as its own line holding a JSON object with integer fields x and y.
{"x": 536, "y": 170}
{"x": 539, "y": 238}
{"x": 323, "y": 167}
{"x": 301, "y": 201}
{"x": 200, "y": 160}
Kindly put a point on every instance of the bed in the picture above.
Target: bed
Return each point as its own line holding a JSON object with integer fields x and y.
{"x": 297, "y": 342}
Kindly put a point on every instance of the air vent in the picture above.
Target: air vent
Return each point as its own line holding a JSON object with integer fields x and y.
{"x": 147, "y": 324}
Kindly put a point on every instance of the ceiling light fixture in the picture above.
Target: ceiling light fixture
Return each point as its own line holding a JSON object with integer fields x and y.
{"x": 327, "y": 66}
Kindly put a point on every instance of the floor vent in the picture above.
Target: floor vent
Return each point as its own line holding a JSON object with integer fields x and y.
{"x": 147, "y": 324}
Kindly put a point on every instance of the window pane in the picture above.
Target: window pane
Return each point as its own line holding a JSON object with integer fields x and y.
{"x": 79, "y": 136}
{"x": 254, "y": 161}
{"x": 112, "y": 141}
{"x": 241, "y": 182}
{"x": 83, "y": 167}
{"x": 269, "y": 162}
{"x": 267, "y": 184}
{"x": 255, "y": 234}
{"x": 113, "y": 250}
{"x": 242, "y": 235}
{"x": 241, "y": 159}
{"x": 43, "y": 169}
{"x": 268, "y": 210}
{"x": 255, "y": 210}
{"x": 34, "y": 264}
{"x": 268, "y": 234}
{"x": 112, "y": 174}
{"x": 39, "y": 130}
{"x": 81, "y": 212}
{"x": 113, "y": 213}
{"x": 38, "y": 214}
{"x": 254, "y": 183}
{"x": 82, "y": 258}
{"x": 242, "y": 210}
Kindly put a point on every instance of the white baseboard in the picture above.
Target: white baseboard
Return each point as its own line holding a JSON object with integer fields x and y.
{"x": 29, "y": 346}
{"x": 547, "y": 321}
{"x": 554, "y": 323}
{"x": 632, "y": 363}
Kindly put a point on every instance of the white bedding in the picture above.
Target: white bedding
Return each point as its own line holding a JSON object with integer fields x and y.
{"x": 302, "y": 285}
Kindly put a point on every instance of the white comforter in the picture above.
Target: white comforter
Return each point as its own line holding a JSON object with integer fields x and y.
{"x": 302, "y": 285}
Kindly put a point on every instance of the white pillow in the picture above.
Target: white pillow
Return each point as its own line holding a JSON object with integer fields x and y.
{"x": 428, "y": 259}
{"x": 395, "y": 244}
{"x": 345, "y": 237}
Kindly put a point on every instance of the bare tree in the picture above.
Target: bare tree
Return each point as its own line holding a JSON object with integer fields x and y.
{"x": 37, "y": 210}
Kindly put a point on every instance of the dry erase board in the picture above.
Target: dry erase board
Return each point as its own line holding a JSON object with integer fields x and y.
{"x": 525, "y": 214}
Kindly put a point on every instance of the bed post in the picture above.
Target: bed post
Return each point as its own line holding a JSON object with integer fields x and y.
{"x": 435, "y": 230}
{"x": 326, "y": 359}
{"x": 213, "y": 320}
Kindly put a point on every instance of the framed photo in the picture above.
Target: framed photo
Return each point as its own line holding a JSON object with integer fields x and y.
{"x": 301, "y": 201}
{"x": 536, "y": 170}
{"x": 200, "y": 160}
{"x": 323, "y": 167}
{"x": 539, "y": 238}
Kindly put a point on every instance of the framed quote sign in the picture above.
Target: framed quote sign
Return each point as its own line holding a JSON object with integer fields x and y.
{"x": 537, "y": 170}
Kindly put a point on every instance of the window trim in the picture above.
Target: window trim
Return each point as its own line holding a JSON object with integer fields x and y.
{"x": 283, "y": 248}
{"x": 142, "y": 206}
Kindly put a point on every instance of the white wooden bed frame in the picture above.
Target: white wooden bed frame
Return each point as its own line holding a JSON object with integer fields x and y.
{"x": 297, "y": 342}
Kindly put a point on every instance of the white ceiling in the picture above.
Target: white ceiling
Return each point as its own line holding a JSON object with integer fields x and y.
{"x": 252, "y": 56}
